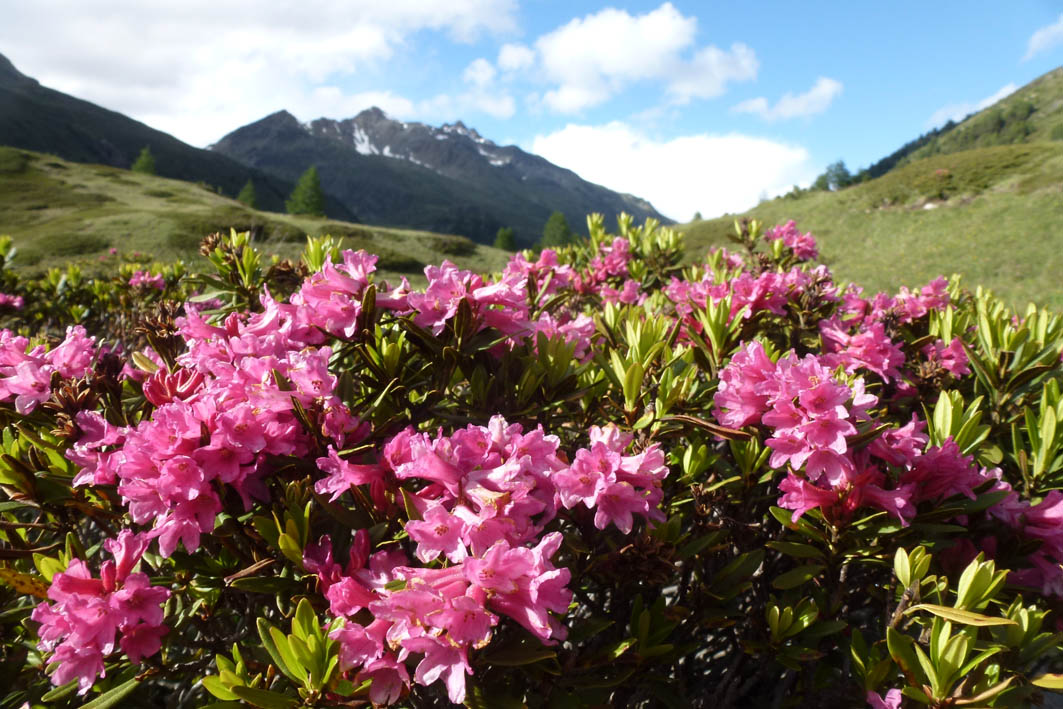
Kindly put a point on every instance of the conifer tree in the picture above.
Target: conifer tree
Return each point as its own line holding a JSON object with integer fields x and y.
{"x": 307, "y": 197}
{"x": 247, "y": 195}
{"x": 145, "y": 162}
{"x": 557, "y": 232}
{"x": 505, "y": 239}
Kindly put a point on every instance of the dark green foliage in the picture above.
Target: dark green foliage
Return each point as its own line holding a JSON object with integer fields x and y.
{"x": 247, "y": 195}
{"x": 505, "y": 239}
{"x": 191, "y": 228}
{"x": 390, "y": 260}
{"x": 145, "y": 162}
{"x": 71, "y": 244}
{"x": 454, "y": 246}
{"x": 697, "y": 217}
{"x": 835, "y": 177}
{"x": 898, "y": 156}
{"x": 13, "y": 162}
{"x": 307, "y": 197}
{"x": 557, "y": 232}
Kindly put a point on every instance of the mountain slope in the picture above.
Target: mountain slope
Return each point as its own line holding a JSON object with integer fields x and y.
{"x": 58, "y": 211}
{"x": 994, "y": 215}
{"x": 447, "y": 179}
{"x": 1030, "y": 114}
{"x": 35, "y": 117}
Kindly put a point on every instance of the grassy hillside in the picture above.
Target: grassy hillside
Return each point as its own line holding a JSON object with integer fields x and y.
{"x": 1031, "y": 114}
{"x": 994, "y": 215}
{"x": 58, "y": 211}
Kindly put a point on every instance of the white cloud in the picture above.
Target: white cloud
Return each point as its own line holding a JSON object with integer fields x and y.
{"x": 710, "y": 71}
{"x": 1044, "y": 39}
{"x": 815, "y": 100}
{"x": 958, "y": 111}
{"x": 479, "y": 72}
{"x": 200, "y": 68}
{"x": 445, "y": 107}
{"x": 592, "y": 58}
{"x": 514, "y": 57}
{"x": 712, "y": 174}
{"x": 333, "y": 101}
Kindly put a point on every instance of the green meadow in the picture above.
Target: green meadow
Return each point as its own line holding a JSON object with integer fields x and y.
{"x": 59, "y": 212}
{"x": 993, "y": 215}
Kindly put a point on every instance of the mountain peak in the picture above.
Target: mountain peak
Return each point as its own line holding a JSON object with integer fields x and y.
{"x": 281, "y": 117}
{"x": 373, "y": 114}
{"x": 445, "y": 178}
{"x": 460, "y": 128}
{"x": 11, "y": 76}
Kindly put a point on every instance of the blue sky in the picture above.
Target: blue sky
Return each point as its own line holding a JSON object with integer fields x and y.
{"x": 694, "y": 106}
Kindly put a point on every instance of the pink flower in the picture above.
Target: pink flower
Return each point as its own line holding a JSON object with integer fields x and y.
{"x": 144, "y": 279}
{"x": 439, "y": 532}
{"x": 892, "y": 700}
{"x": 87, "y": 613}
{"x": 742, "y": 397}
{"x": 343, "y": 475}
{"x": 801, "y": 496}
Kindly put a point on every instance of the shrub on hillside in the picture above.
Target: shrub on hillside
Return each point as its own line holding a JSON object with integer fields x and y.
{"x": 593, "y": 479}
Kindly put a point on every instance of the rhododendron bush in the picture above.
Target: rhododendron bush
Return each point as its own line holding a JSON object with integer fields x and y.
{"x": 598, "y": 478}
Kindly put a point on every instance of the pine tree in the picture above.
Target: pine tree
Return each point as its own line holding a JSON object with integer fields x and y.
{"x": 145, "y": 162}
{"x": 247, "y": 195}
{"x": 557, "y": 232}
{"x": 505, "y": 239}
{"x": 307, "y": 197}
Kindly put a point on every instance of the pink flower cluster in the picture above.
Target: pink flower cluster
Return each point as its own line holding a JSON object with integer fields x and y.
{"x": 868, "y": 349}
{"x": 332, "y": 298}
{"x": 1041, "y": 522}
{"x": 770, "y": 291}
{"x": 951, "y": 358}
{"x": 905, "y": 307}
{"x": 484, "y": 494}
{"x": 811, "y": 415}
{"x": 145, "y": 279}
{"x": 26, "y": 374}
{"x": 803, "y": 245}
{"x": 542, "y": 280}
{"x": 11, "y": 301}
{"x": 227, "y": 407}
{"x": 79, "y": 627}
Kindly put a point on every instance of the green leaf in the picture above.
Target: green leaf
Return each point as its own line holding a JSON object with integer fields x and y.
{"x": 266, "y": 634}
{"x": 112, "y": 697}
{"x": 263, "y": 698}
{"x": 900, "y": 648}
{"x": 796, "y": 550}
{"x": 518, "y": 654}
{"x": 290, "y": 547}
{"x": 305, "y": 622}
{"x": 219, "y": 689}
{"x": 960, "y": 616}
{"x": 615, "y": 650}
{"x": 61, "y": 691}
{"x": 1047, "y": 680}
{"x": 264, "y": 584}
{"x": 280, "y": 641}
{"x": 412, "y": 512}
{"x": 795, "y": 577}
{"x": 697, "y": 545}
